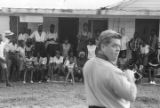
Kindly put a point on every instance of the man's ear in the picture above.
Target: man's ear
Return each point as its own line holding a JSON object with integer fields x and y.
{"x": 102, "y": 46}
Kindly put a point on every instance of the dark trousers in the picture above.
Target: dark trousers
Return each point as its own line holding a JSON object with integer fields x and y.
{"x": 39, "y": 49}
{"x": 152, "y": 71}
{"x": 13, "y": 66}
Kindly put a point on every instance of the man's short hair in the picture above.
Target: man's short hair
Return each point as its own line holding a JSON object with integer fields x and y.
{"x": 106, "y": 36}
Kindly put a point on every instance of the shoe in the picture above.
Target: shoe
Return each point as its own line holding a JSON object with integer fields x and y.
{"x": 24, "y": 82}
{"x": 8, "y": 85}
{"x": 48, "y": 80}
{"x": 153, "y": 82}
{"x": 40, "y": 82}
{"x": 31, "y": 82}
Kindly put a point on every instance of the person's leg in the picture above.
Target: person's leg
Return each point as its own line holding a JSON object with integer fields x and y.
{"x": 31, "y": 76}
{"x": 153, "y": 75}
{"x": 67, "y": 77}
{"x": 9, "y": 67}
{"x": 49, "y": 72}
{"x": 52, "y": 68}
{"x": 72, "y": 74}
{"x": 5, "y": 70}
{"x": 150, "y": 77}
{"x": 24, "y": 78}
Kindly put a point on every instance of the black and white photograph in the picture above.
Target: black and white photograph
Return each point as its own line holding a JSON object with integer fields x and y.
{"x": 79, "y": 54}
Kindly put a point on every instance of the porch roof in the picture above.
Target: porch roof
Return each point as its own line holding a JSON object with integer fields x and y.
{"x": 135, "y": 8}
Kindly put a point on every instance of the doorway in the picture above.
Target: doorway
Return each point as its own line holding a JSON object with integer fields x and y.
{"x": 144, "y": 27}
{"x": 68, "y": 29}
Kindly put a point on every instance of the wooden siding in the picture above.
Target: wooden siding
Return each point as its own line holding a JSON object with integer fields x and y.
{"x": 118, "y": 23}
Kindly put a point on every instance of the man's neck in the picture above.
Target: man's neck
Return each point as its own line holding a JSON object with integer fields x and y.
{"x": 106, "y": 58}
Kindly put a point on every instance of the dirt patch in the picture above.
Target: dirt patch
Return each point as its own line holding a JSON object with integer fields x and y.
{"x": 147, "y": 100}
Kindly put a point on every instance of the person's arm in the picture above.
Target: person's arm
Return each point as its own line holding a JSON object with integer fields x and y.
{"x": 123, "y": 85}
{"x": 32, "y": 35}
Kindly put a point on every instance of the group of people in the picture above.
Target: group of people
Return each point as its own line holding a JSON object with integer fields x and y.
{"x": 140, "y": 54}
{"x": 100, "y": 60}
{"x": 40, "y": 56}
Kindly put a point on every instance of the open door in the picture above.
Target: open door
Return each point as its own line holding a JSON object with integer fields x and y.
{"x": 144, "y": 27}
{"x": 68, "y": 28}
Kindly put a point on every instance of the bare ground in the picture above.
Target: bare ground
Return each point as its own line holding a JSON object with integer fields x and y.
{"x": 56, "y": 95}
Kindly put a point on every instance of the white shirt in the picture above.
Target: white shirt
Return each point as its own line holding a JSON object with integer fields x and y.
{"x": 51, "y": 60}
{"x": 58, "y": 61}
{"x": 145, "y": 49}
{"x": 11, "y": 47}
{"x": 37, "y": 37}
{"x": 52, "y": 36}
{"x": 106, "y": 85}
{"x": 43, "y": 60}
{"x": 21, "y": 51}
{"x": 23, "y": 36}
{"x": 124, "y": 42}
{"x": 2, "y": 47}
{"x": 91, "y": 51}
{"x": 69, "y": 65}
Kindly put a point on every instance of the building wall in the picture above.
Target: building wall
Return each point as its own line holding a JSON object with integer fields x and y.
{"x": 159, "y": 33}
{"x": 33, "y": 26}
{"x": 4, "y": 23}
{"x": 91, "y": 23}
{"x": 118, "y": 23}
{"x": 47, "y": 21}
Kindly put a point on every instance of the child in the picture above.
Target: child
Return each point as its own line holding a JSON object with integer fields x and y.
{"x": 36, "y": 64}
{"x": 70, "y": 66}
{"x": 28, "y": 67}
{"x": 43, "y": 67}
{"x": 58, "y": 63}
{"x": 28, "y": 46}
{"x": 91, "y": 48}
{"x": 122, "y": 60}
{"x": 81, "y": 60}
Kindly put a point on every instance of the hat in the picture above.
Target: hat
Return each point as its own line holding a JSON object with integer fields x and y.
{"x": 8, "y": 33}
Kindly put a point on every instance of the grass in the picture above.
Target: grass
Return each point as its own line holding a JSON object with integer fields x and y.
{"x": 49, "y": 95}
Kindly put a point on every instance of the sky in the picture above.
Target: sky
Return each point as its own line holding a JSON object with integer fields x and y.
{"x": 59, "y": 4}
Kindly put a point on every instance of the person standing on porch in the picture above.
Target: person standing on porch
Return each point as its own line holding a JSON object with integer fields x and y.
{"x": 22, "y": 37}
{"x": 39, "y": 37}
{"x": 106, "y": 85}
{"x": 51, "y": 43}
{"x": 83, "y": 38}
{"x": 153, "y": 42}
{"x": 124, "y": 43}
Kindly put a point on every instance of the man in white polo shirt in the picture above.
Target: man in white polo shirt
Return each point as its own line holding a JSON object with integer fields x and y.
{"x": 106, "y": 85}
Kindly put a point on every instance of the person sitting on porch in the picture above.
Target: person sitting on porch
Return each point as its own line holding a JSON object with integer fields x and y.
{"x": 152, "y": 68}
{"x": 28, "y": 68}
{"x": 58, "y": 63}
{"x": 39, "y": 37}
{"x": 66, "y": 47}
{"x": 51, "y": 43}
{"x": 70, "y": 66}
